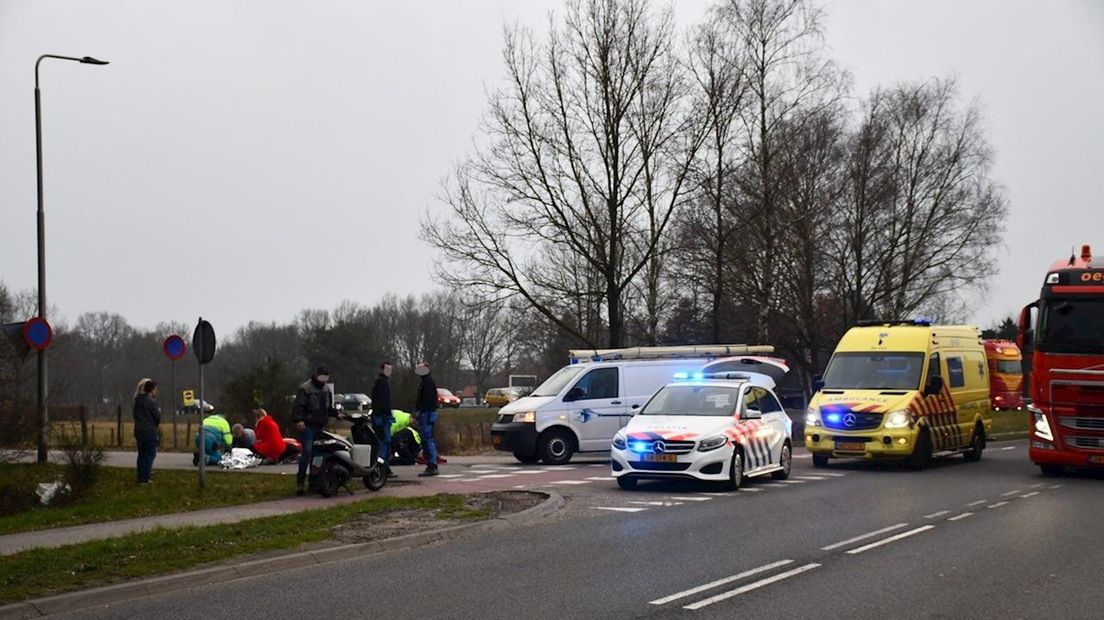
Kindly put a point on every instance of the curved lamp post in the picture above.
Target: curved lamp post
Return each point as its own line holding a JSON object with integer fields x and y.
{"x": 43, "y": 419}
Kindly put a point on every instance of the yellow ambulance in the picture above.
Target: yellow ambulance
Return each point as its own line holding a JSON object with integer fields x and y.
{"x": 902, "y": 390}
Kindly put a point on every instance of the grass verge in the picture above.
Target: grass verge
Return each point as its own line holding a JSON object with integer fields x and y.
{"x": 42, "y": 572}
{"x": 115, "y": 496}
{"x": 1010, "y": 424}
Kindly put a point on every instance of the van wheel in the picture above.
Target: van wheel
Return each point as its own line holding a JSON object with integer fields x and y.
{"x": 1052, "y": 470}
{"x": 922, "y": 453}
{"x": 556, "y": 447}
{"x": 626, "y": 483}
{"x": 528, "y": 459}
{"x": 784, "y": 460}
{"x": 819, "y": 460}
{"x": 977, "y": 444}
{"x": 735, "y": 472}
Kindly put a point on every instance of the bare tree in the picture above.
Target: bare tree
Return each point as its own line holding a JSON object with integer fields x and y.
{"x": 488, "y": 334}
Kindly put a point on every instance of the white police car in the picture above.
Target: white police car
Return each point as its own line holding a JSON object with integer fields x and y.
{"x": 720, "y": 427}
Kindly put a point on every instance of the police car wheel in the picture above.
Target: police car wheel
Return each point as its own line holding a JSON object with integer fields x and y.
{"x": 555, "y": 447}
{"x": 626, "y": 483}
{"x": 784, "y": 459}
{"x": 735, "y": 472}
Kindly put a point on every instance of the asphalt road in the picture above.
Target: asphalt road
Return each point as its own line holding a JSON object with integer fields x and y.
{"x": 964, "y": 540}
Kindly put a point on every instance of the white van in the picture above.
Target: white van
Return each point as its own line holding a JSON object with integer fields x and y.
{"x": 583, "y": 405}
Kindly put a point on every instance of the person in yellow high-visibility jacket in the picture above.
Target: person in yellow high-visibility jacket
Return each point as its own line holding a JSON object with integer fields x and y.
{"x": 219, "y": 423}
{"x": 405, "y": 440}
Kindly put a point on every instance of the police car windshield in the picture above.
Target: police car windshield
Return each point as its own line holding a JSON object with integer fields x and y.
{"x": 704, "y": 400}
{"x": 874, "y": 371}
{"x": 557, "y": 382}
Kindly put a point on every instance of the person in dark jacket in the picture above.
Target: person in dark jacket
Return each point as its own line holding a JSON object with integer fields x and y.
{"x": 381, "y": 412}
{"x": 311, "y": 411}
{"x": 426, "y": 406}
{"x": 147, "y": 434}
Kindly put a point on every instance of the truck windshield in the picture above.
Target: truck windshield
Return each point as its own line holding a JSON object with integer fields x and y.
{"x": 1071, "y": 326}
{"x": 874, "y": 371}
{"x": 705, "y": 400}
{"x": 557, "y": 382}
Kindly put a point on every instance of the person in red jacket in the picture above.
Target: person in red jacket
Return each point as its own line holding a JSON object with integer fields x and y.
{"x": 270, "y": 443}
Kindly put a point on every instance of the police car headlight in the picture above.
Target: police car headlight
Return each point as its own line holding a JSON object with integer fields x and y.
{"x": 898, "y": 419}
{"x": 526, "y": 416}
{"x": 712, "y": 443}
{"x": 1042, "y": 425}
{"x": 619, "y": 441}
{"x": 812, "y": 417}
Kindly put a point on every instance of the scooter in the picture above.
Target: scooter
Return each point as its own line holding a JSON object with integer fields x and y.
{"x": 335, "y": 460}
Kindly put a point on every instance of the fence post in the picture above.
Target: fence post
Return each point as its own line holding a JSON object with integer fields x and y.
{"x": 119, "y": 424}
{"x": 84, "y": 425}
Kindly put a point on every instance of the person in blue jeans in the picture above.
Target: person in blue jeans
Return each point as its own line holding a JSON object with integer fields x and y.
{"x": 311, "y": 411}
{"x": 382, "y": 418}
{"x": 147, "y": 434}
{"x": 426, "y": 406}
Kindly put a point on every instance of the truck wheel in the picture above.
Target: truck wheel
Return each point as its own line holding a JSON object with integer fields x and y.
{"x": 626, "y": 483}
{"x": 1052, "y": 470}
{"x": 784, "y": 460}
{"x": 819, "y": 460}
{"x": 528, "y": 459}
{"x": 922, "y": 453}
{"x": 977, "y": 444}
{"x": 556, "y": 447}
{"x": 735, "y": 472}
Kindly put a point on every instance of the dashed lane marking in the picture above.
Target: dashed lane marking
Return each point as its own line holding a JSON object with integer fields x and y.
{"x": 844, "y": 543}
{"x": 752, "y": 586}
{"x": 1012, "y": 492}
{"x": 664, "y": 504}
{"x": 1008, "y": 448}
{"x": 793, "y": 482}
{"x": 620, "y": 508}
{"x": 961, "y": 516}
{"x": 528, "y": 471}
{"x": 491, "y": 476}
{"x": 1056, "y": 486}
{"x": 749, "y": 490}
{"x": 773, "y": 485}
{"x": 571, "y": 482}
{"x": 977, "y": 503}
{"x": 601, "y": 479}
{"x": 894, "y": 538}
{"x": 450, "y": 476}
{"x": 482, "y": 471}
{"x": 833, "y": 475}
{"x": 937, "y": 514}
{"x": 809, "y": 477}
{"x": 1027, "y": 495}
{"x": 1035, "y": 486}
{"x": 720, "y": 582}
{"x": 998, "y": 504}
{"x": 689, "y": 499}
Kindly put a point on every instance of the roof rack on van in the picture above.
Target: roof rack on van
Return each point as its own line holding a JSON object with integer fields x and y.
{"x": 877, "y": 322}
{"x": 578, "y": 356}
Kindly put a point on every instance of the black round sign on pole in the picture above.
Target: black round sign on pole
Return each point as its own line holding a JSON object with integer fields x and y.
{"x": 203, "y": 342}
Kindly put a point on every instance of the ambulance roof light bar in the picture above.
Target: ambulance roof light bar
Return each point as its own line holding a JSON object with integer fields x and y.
{"x": 709, "y": 351}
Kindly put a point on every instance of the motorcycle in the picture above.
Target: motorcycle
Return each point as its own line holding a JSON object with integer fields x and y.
{"x": 335, "y": 460}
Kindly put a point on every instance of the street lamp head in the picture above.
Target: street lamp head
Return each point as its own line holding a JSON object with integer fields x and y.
{"x": 88, "y": 60}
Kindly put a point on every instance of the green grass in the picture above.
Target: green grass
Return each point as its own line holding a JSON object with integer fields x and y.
{"x": 115, "y": 496}
{"x": 41, "y": 572}
{"x": 1010, "y": 424}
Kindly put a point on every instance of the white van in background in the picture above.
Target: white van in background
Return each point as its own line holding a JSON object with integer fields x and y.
{"x": 583, "y": 405}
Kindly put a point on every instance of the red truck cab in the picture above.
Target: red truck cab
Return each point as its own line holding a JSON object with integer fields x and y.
{"x": 1063, "y": 333}
{"x": 1005, "y": 375}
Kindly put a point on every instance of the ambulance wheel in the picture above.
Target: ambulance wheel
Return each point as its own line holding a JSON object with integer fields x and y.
{"x": 784, "y": 460}
{"x": 922, "y": 453}
{"x": 1052, "y": 470}
{"x": 977, "y": 444}
{"x": 735, "y": 472}
{"x": 528, "y": 459}
{"x": 375, "y": 479}
{"x": 626, "y": 483}
{"x": 556, "y": 446}
{"x": 819, "y": 460}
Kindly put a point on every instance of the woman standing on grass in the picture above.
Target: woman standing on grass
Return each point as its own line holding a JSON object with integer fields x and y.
{"x": 147, "y": 418}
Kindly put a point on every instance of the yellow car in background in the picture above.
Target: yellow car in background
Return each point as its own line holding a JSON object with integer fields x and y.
{"x": 498, "y": 397}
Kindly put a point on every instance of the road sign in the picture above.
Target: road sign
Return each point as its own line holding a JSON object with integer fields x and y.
{"x": 174, "y": 348}
{"x": 189, "y": 398}
{"x": 38, "y": 334}
{"x": 203, "y": 342}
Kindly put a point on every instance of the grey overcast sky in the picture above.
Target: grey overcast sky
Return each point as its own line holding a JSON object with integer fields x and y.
{"x": 246, "y": 159}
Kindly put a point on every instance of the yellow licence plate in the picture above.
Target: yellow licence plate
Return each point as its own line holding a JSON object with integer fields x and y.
{"x": 661, "y": 458}
{"x": 851, "y": 446}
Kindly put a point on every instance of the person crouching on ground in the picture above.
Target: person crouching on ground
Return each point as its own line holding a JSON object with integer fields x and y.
{"x": 243, "y": 437}
{"x": 426, "y": 408}
{"x": 382, "y": 419}
{"x": 215, "y": 437}
{"x": 147, "y": 434}
{"x": 270, "y": 443}
{"x": 311, "y": 411}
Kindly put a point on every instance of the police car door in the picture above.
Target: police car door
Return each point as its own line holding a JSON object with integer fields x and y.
{"x": 595, "y": 406}
{"x": 758, "y": 428}
{"x": 776, "y": 424}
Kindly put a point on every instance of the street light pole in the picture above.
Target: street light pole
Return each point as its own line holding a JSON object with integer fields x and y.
{"x": 43, "y": 418}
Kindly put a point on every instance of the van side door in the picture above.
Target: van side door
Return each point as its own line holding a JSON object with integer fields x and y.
{"x": 595, "y": 407}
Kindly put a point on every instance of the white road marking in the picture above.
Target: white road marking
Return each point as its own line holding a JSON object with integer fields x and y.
{"x": 563, "y": 467}
{"x": 464, "y": 480}
{"x": 1035, "y": 486}
{"x": 748, "y": 490}
{"x": 998, "y": 504}
{"x": 665, "y": 504}
{"x": 977, "y": 503}
{"x": 773, "y": 485}
{"x": 451, "y": 475}
{"x": 1008, "y": 448}
{"x": 571, "y": 482}
{"x": 1027, "y": 495}
{"x": 600, "y": 479}
{"x": 809, "y": 477}
{"x": 1056, "y": 486}
{"x": 961, "y": 516}
{"x": 825, "y": 473}
{"x": 801, "y": 456}
{"x": 1013, "y": 492}
{"x": 793, "y": 482}
{"x": 482, "y": 471}
{"x": 619, "y": 508}
{"x": 491, "y": 476}
{"x": 690, "y": 499}
{"x": 528, "y": 471}
{"x": 720, "y": 582}
{"x": 751, "y": 586}
{"x": 844, "y": 543}
{"x": 937, "y": 514}
{"x": 895, "y": 538}
{"x": 715, "y": 494}
{"x": 597, "y": 465}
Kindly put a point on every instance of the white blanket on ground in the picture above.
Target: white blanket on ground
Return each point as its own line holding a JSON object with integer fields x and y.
{"x": 240, "y": 458}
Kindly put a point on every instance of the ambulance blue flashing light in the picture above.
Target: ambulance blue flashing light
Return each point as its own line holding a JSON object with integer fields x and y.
{"x": 834, "y": 418}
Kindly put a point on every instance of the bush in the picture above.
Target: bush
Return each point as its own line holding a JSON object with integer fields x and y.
{"x": 17, "y": 491}
{"x": 81, "y": 466}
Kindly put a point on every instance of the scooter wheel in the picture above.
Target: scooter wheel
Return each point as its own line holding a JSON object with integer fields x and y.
{"x": 375, "y": 479}
{"x": 327, "y": 483}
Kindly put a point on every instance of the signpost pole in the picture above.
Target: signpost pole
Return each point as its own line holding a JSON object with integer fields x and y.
{"x": 202, "y": 440}
{"x": 176, "y": 401}
{"x": 203, "y": 344}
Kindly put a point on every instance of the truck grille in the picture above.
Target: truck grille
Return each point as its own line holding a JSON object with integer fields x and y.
{"x": 1084, "y": 424}
{"x": 859, "y": 421}
{"x": 1088, "y": 443}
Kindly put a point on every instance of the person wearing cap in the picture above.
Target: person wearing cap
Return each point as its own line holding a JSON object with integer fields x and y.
{"x": 426, "y": 407}
{"x": 311, "y": 411}
{"x": 382, "y": 419}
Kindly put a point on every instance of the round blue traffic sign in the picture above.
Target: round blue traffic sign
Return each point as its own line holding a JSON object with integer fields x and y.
{"x": 174, "y": 347}
{"x": 37, "y": 333}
